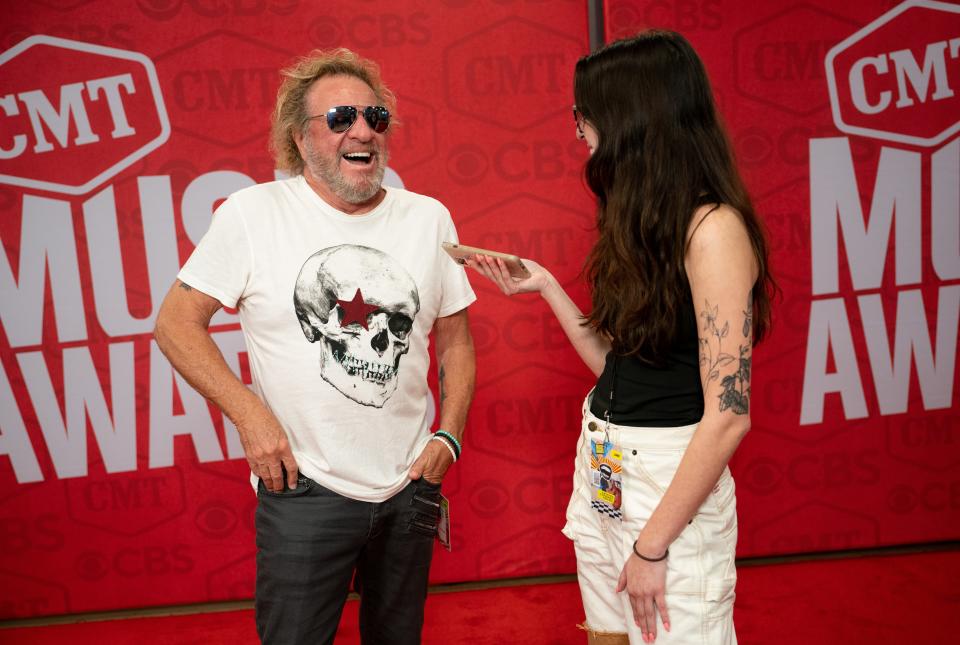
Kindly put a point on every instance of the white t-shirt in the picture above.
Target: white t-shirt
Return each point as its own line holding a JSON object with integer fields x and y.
{"x": 336, "y": 311}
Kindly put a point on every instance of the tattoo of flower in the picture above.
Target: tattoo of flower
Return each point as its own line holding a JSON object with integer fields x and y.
{"x": 748, "y": 318}
{"x": 714, "y": 363}
{"x": 736, "y": 391}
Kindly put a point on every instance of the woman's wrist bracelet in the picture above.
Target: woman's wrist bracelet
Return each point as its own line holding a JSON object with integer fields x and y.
{"x": 447, "y": 443}
{"x": 451, "y": 439}
{"x": 645, "y": 558}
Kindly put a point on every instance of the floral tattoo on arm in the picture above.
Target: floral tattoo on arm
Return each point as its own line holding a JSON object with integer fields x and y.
{"x": 736, "y": 389}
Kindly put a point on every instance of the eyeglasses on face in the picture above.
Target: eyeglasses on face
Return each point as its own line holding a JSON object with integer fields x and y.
{"x": 341, "y": 118}
{"x": 578, "y": 119}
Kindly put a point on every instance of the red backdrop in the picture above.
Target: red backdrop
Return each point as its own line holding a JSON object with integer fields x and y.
{"x": 123, "y": 124}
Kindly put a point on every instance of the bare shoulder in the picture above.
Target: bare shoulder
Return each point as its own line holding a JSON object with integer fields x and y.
{"x": 717, "y": 237}
{"x": 716, "y": 228}
{"x": 712, "y": 220}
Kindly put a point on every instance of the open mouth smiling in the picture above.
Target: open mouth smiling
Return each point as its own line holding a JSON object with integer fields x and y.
{"x": 358, "y": 158}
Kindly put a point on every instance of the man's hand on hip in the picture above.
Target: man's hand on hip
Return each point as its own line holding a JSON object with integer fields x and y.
{"x": 267, "y": 449}
{"x": 432, "y": 464}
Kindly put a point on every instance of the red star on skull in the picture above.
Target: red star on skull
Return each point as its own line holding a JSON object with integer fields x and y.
{"x": 356, "y": 310}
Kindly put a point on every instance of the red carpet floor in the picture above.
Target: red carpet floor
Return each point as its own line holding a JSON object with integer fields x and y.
{"x": 902, "y": 600}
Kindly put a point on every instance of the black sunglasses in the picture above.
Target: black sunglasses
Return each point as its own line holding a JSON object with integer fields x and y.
{"x": 342, "y": 117}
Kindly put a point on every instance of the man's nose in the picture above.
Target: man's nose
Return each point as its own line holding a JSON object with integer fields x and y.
{"x": 360, "y": 130}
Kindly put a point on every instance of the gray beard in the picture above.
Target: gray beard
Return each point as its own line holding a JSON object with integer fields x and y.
{"x": 328, "y": 171}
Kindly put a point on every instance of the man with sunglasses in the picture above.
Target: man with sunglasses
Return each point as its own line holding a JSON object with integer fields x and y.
{"x": 339, "y": 281}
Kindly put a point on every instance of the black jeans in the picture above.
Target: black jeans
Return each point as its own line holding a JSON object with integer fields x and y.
{"x": 310, "y": 541}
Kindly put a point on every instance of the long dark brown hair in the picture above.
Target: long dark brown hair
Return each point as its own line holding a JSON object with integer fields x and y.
{"x": 661, "y": 149}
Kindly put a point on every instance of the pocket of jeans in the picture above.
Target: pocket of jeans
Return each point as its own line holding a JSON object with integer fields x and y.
{"x": 654, "y": 468}
{"x": 423, "y": 524}
{"x": 426, "y": 493}
{"x": 304, "y": 484}
{"x": 717, "y": 516}
{"x": 646, "y": 476}
{"x": 425, "y": 484}
{"x": 720, "y": 595}
{"x": 724, "y": 492}
{"x": 425, "y": 509}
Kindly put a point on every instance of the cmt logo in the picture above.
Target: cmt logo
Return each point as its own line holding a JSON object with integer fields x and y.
{"x": 513, "y": 74}
{"x": 73, "y": 115}
{"x": 897, "y": 78}
{"x": 778, "y": 60}
{"x": 225, "y": 104}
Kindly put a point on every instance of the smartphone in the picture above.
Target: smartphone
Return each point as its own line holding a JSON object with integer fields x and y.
{"x": 460, "y": 253}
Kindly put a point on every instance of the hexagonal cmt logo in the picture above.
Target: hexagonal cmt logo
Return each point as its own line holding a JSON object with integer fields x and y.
{"x": 538, "y": 550}
{"x": 532, "y": 227}
{"x": 129, "y": 503}
{"x": 529, "y": 426}
{"x": 489, "y": 77}
{"x": 415, "y": 141}
{"x": 930, "y": 442}
{"x": 898, "y": 78}
{"x": 75, "y": 114}
{"x": 813, "y": 526}
{"x": 778, "y": 58}
{"x": 222, "y": 86}
{"x": 33, "y": 596}
{"x": 233, "y": 580}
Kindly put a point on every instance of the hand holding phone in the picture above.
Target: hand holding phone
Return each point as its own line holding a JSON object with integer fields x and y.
{"x": 461, "y": 253}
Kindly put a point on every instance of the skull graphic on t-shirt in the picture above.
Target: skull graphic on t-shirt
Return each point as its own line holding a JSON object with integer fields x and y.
{"x": 359, "y": 304}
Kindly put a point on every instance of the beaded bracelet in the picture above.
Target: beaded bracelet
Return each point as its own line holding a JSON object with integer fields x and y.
{"x": 445, "y": 442}
{"x": 451, "y": 439}
{"x": 645, "y": 558}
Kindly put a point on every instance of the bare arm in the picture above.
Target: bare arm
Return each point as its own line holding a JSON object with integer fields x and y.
{"x": 457, "y": 365}
{"x": 590, "y": 346}
{"x": 721, "y": 269}
{"x": 181, "y": 333}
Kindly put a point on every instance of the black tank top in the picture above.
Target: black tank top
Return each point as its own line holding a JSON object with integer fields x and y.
{"x": 665, "y": 396}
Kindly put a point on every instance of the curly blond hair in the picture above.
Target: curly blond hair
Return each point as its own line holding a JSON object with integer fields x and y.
{"x": 290, "y": 112}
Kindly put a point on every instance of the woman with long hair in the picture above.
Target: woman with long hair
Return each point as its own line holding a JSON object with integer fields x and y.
{"x": 680, "y": 294}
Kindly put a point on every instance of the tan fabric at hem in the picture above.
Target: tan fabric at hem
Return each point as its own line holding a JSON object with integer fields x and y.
{"x": 604, "y": 638}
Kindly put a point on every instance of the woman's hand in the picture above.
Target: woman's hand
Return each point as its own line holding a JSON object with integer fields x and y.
{"x": 646, "y": 583}
{"x": 496, "y": 270}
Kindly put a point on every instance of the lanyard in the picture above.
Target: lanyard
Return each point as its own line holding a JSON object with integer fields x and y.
{"x": 613, "y": 387}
